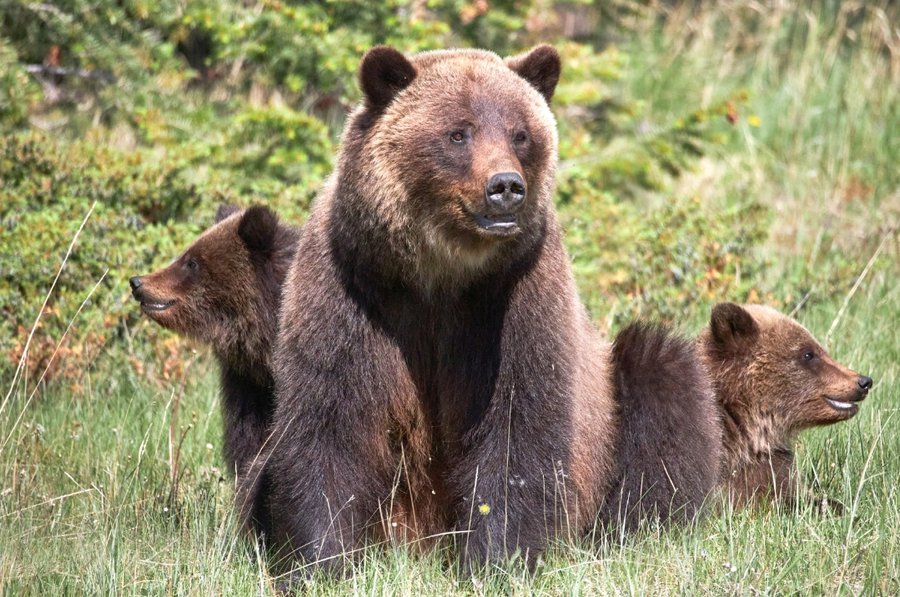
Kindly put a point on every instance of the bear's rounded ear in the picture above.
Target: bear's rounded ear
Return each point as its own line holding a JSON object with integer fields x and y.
{"x": 257, "y": 228}
{"x": 225, "y": 210}
{"x": 731, "y": 326}
{"x": 383, "y": 74}
{"x": 540, "y": 67}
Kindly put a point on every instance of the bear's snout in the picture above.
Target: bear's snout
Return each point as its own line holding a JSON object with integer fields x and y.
{"x": 136, "y": 283}
{"x": 505, "y": 192}
{"x": 864, "y": 383}
{"x": 147, "y": 297}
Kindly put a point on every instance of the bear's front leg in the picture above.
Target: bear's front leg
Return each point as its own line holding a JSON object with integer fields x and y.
{"x": 327, "y": 489}
{"x": 332, "y": 464}
{"x": 510, "y": 476}
{"x": 513, "y": 482}
{"x": 772, "y": 477}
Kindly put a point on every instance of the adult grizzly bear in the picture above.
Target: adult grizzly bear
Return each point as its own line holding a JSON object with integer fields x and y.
{"x": 432, "y": 351}
{"x": 225, "y": 290}
{"x": 772, "y": 379}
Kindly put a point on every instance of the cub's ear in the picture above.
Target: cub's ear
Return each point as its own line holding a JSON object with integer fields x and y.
{"x": 540, "y": 67}
{"x": 383, "y": 74}
{"x": 731, "y": 326}
{"x": 257, "y": 228}
{"x": 225, "y": 210}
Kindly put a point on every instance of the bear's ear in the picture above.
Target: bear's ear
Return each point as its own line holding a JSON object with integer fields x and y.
{"x": 383, "y": 74}
{"x": 225, "y": 210}
{"x": 731, "y": 326}
{"x": 257, "y": 228}
{"x": 540, "y": 67}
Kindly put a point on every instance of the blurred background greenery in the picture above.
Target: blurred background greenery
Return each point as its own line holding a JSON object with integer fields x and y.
{"x": 709, "y": 151}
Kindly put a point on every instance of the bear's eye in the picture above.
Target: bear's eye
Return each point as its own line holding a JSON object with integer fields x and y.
{"x": 520, "y": 137}
{"x": 192, "y": 264}
{"x": 458, "y": 136}
{"x": 808, "y": 355}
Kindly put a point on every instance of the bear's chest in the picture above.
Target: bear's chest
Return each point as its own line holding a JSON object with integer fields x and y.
{"x": 453, "y": 351}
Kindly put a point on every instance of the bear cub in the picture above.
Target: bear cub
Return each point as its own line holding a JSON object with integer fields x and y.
{"x": 772, "y": 379}
{"x": 670, "y": 436}
{"x": 721, "y": 412}
{"x": 225, "y": 291}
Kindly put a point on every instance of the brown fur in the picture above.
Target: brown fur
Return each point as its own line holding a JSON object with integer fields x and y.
{"x": 772, "y": 380}
{"x": 670, "y": 433}
{"x": 430, "y": 363}
{"x": 224, "y": 291}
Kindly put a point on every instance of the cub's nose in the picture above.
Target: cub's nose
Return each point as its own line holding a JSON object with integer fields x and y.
{"x": 865, "y": 383}
{"x": 505, "y": 192}
{"x": 136, "y": 287}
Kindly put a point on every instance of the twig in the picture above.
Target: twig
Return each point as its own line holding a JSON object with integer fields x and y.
{"x": 856, "y": 285}
{"x": 799, "y": 305}
{"x": 37, "y": 319}
{"x": 175, "y": 448}
{"x": 64, "y": 71}
{"x": 854, "y": 505}
{"x": 52, "y": 357}
{"x": 47, "y": 502}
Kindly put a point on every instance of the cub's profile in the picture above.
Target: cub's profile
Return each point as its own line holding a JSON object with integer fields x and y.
{"x": 224, "y": 290}
{"x": 772, "y": 379}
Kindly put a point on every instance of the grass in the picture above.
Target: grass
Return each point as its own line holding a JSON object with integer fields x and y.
{"x": 87, "y": 504}
{"x": 88, "y": 475}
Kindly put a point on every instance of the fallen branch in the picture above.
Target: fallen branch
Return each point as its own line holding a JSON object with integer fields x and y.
{"x": 62, "y": 71}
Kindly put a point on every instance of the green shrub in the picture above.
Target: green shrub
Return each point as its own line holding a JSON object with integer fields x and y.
{"x": 139, "y": 219}
{"x": 218, "y": 100}
{"x": 666, "y": 263}
{"x": 17, "y": 89}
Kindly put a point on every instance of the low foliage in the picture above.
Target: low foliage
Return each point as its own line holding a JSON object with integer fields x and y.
{"x": 215, "y": 101}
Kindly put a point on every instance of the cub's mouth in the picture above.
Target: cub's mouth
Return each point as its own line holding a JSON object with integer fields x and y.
{"x": 156, "y": 306}
{"x": 500, "y": 225}
{"x": 848, "y": 407}
{"x": 149, "y": 303}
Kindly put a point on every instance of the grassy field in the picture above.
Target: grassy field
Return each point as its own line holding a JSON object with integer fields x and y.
{"x": 87, "y": 508}
{"x": 116, "y": 485}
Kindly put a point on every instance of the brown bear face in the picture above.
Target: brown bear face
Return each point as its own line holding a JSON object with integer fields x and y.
{"x": 210, "y": 292}
{"x": 769, "y": 369}
{"x": 465, "y": 140}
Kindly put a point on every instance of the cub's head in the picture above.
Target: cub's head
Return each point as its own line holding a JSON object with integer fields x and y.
{"x": 457, "y": 147}
{"x": 219, "y": 290}
{"x": 768, "y": 369}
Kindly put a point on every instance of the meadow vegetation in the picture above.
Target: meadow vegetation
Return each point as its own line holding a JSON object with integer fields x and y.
{"x": 708, "y": 151}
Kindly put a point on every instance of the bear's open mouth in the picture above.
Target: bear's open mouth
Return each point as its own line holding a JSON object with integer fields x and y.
{"x": 499, "y": 225}
{"x": 844, "y": 406}
{"x": 156, "y": 306}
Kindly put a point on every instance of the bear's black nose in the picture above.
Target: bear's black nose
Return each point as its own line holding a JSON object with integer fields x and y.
{"x": 505, "y": 192}
{"x": 135, "y": 283}
{"x": 864, "y": 382}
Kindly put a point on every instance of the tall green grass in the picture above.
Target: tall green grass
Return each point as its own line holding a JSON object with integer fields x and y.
{"x": 117, "y": 485}
{"x": 87, "y": 503}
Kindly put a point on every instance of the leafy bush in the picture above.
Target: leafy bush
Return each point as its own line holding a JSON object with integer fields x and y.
{"x": 17, "y": 90}
{"x": 48, "y": 190}
{"x": 633, "y": 257}
{"x": 218, "y": 100}
{"x": 666, "y": 263}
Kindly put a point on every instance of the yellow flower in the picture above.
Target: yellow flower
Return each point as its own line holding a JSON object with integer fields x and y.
{"x": 484, "y": 509}
{"x": 754, "y": 121}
